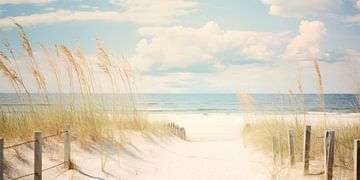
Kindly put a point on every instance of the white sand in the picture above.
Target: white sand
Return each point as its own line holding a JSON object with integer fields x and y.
{"x": 215, "y": 151}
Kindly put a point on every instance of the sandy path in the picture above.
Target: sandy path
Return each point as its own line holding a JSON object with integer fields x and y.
{"x": 204, "y": 160}
{"x": 215, "y": 151}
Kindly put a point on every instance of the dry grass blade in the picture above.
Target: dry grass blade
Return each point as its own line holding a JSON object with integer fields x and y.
{"x": 75, "y": 65}
{"x": 245, "y": 98}
{"x": 11, "y": 74}
{"x": 90, "y": 119}
{"x": 7, "y": 46}
{"x": 25, "y": 41}
{"x": 320, "y": 89}
{"x": 318, "y": 76}
{"x": 104, "y": 63}
{"x": 39, "y": 77}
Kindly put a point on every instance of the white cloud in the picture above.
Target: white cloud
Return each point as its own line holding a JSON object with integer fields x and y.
{"x": 306, "y": 45}
{"x": 352, "y": 19}
{"x": 177, "y": 46}
{"x": 25, "y": 1}
{"x": 357, "y": 5}
{"x": 296, "y": 8}
{"x": 62, "y": 16}
{"x": 86, "y": 6}
{"x": 49, "y": 9}
{"x": 144, "y": 12}
{"x": 254, "y": 78}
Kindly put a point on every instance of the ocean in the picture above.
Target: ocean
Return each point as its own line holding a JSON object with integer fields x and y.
{"x": 212, "y": 103}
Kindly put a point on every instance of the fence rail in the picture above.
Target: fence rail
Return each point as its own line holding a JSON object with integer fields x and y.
{"x": 177, "y": 130}
{"x": 329, "y": 152}
{"x": 38, "y": 142}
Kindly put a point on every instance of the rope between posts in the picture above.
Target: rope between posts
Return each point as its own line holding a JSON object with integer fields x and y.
{"x": 46, "y": 169}
{"x": 54, "y": 166}
{"x": 53, "y": 135}
{"x": 26, "y": 175}
{"x": 16, "y": 145}
{"x": 31, "y": 141}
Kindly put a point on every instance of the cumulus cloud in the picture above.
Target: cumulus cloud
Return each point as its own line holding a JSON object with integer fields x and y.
{"x": 357, "y": 5}
{"x": 177, "y": 46}
{"x": 25, "y": 1}
{"x": 296, "y": 8}
{"x": 352, "y": 19}
{"x": 254, "y": 78}
{"x": 144, "y": 12}
{"x": 86, "y": 6}
{"x": 306, "y": 45}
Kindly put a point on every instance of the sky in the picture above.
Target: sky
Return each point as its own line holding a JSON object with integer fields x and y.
{"x": 202, "y": 46}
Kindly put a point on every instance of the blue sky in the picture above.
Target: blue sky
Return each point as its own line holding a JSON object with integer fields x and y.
{"x": 257, "y": 46}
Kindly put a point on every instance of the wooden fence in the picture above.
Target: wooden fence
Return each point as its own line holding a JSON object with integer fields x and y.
{"x": 177, "y": 130}
{"x": 38, "y": 142}
{"x": 329, "y": 152}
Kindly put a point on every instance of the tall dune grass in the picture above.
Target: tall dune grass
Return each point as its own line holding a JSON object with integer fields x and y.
{"x": 320, "y": 89}
{"x": 80, "y": 80}
{"x": 263, "y": 129}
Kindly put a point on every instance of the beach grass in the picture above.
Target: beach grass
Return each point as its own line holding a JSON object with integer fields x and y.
{"x": 78, "y": 99}
{"x": 261, "y": 131}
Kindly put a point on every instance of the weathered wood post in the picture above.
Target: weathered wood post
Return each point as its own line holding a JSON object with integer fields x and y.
{"x": 37, "y": 156}
{"x": 177, "y": 130}
{"x": 306, "y": 152}
{"x": 1, "y": 158}
{"x": 182, "y": 133}
{"x": 169, "y": 126}
{"x": 280, "y": 149}
{"x": 357, "y": 159}
{"x": 329, "y": 151}
{"x": 274, "y": 148}
{"x": 292, "y": 147}
{"x": 67, "y": 144}
{"x": 172, "y": 127}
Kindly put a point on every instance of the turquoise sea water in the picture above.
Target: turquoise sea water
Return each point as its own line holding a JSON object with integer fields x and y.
{"x": 211, "y": 103}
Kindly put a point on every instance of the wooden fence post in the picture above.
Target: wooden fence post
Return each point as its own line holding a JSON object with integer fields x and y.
{"x": 329, "y": 151}
{"x": 274, "y": 148}
{"x": 306, "y": 152}
{"x": 292, "y": 147}
{"x": 280, "y": 149}
{"x": 182, "y": 130}
{"x": 1, "y": 158}
{"x": 67, "y": 143}
{"x": 184, "y": 134}
{"x": 37, "y": 156}
{"x": 172, "y": 127}
{"x": 180, "y": 133}
{"x": 357, "y": 159}
{"x": 169, "y": 126}
{"x": 177, "y": 130}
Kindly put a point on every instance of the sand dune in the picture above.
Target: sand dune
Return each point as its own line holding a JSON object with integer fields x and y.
{"x": 214, "y": 151}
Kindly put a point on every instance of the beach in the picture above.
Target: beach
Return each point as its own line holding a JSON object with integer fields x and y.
{"x": 213, "y": 150}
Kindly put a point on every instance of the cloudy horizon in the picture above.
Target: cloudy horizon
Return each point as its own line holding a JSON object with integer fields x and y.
{"x": 205, "y": 46}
